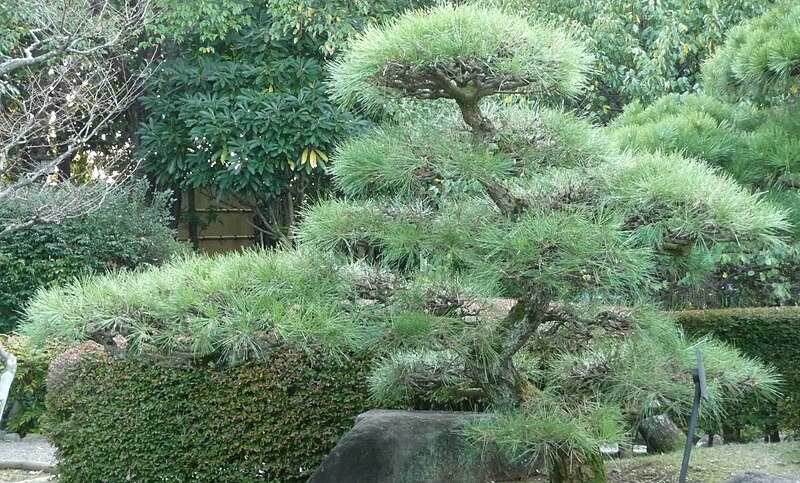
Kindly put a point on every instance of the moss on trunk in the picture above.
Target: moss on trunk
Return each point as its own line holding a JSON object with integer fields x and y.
{"x": 571, "y": 467}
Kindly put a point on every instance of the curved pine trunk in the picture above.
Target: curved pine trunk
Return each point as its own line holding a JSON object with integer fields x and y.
{"x": 568, "y": 467}
{"x": 501, "y": 381}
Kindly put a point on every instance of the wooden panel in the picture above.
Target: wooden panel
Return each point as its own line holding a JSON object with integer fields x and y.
{"x": 225, "y": 226}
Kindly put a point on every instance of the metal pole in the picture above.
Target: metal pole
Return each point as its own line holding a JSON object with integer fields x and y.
{"x": 687, "y": 452}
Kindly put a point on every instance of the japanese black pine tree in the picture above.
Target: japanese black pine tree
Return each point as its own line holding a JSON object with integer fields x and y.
{"x": 510, "y": 248}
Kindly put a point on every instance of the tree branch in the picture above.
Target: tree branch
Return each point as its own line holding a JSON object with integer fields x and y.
{"x": 57, "y": 109}
{"x": 60, "y": 29}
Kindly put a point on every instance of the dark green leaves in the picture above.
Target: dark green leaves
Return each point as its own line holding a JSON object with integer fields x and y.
{"x": 128, "y": 232}
{"x": 271, "y": 421}
{"x": 239, "y": 129}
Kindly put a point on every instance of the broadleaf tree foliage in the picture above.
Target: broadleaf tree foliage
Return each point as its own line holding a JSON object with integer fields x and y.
{"x": 643, "y": 49}
{"x": 239, "y": 107}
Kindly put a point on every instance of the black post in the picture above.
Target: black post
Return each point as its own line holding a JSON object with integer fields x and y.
{"x": 700, "y": 392}
{"x": 687, "y": 452}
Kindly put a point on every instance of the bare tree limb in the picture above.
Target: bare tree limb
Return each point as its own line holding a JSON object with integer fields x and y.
{"x": 80, "y": 27}
{"x": 70, "y": 84}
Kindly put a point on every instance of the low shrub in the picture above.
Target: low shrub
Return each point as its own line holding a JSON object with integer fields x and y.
{"x": 130, "y": 230}
{"x": 770, "y": 334}
{"x": 271, "y": 420}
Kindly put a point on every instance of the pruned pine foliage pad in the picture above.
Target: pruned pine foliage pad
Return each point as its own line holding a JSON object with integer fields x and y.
{"x": 423, "y": 52}
{"x": 230, "y": 308}
{"x": 698, "y": 125}
{"x": 415, "y": 193}
{"x": 682, "y": 200}
{"x": 756, "y": 146}
{"x": 624, "y": 372}
{"x": 760, "y": 59}
{"x": 547, "y": 429}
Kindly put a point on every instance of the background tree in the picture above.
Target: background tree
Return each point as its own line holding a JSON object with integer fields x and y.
{"x": 643, "y": 50}
{"x": 68, "y": 70}
{"x": 131, "y": 230}
{"x": 747, "y": 124}
{"x": 64, "y": 79}
{"x": 760, "y": 60}
{"x": 241, "y": 108}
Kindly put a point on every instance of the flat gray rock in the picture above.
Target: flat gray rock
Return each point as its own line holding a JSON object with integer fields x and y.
{"x": 753, "y": 477}
{"x": 410, "y": 446}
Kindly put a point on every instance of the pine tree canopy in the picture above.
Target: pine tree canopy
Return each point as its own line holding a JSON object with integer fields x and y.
{"x": 521, "y": 202}
{"x": 760, "y": 59}
{"x": 415, "y": 192}
{"x": 462, "y": 53}
{"x": 594, "y": 228}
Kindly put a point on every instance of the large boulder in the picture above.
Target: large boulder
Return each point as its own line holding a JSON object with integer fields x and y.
{"x": 411, "y": 446}
{"x": 661, "y": 434}
{"x": 717, "y": 441}
{"x": 753, "y": 477}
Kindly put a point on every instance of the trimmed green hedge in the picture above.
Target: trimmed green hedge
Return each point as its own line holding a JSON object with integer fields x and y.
{"x": 771, "y": 334}
{"x": 274, "y": 420}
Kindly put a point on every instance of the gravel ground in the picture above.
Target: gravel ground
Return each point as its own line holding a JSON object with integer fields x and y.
{"x": 35, "y": 449}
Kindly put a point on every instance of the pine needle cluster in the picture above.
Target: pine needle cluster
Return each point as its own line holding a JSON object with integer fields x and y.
{"x": 760, "y": 59}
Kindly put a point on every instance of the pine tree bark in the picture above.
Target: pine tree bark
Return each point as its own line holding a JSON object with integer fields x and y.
{"x": 661, "y": 434}
{"x": 568, "y": 467}
{"x": 506, "y": 202}
{"x": 481, "y": 125}
{"x": 507, "y": 388}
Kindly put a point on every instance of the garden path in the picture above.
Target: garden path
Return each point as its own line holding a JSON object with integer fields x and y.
{"x": 32, "y": 452}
